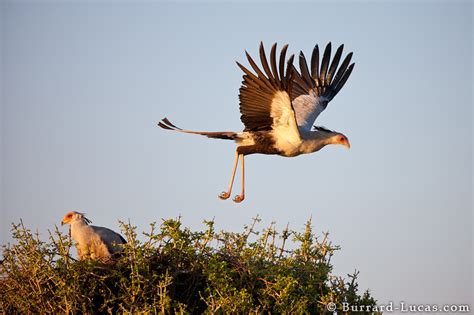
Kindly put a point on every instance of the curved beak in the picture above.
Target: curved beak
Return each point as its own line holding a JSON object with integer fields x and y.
{"x": 347, "y": 144}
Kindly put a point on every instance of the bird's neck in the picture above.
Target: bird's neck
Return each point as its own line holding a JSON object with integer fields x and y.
{"x": 78, "y": 231}
{"x": 78, "y": 224}
{"x": 316, "y": 140}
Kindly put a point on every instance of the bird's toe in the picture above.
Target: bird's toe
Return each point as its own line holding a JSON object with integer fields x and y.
{"x": 238, "y": 198}
{"x": 224, "y": 195}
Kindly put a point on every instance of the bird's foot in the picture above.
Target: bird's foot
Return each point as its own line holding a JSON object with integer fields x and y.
{"x": 239, "y": 198}
{"x": 224, "y": 195}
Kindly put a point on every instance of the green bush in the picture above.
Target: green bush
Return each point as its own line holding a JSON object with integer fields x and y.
{"x": 175, "y": 270}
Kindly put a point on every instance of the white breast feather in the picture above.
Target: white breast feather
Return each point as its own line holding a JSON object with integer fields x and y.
{"x": 89, "y": 243}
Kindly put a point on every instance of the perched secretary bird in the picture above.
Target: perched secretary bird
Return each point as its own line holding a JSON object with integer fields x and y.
{"x": 279, "y": 107}
{"x": 94, "y": 242}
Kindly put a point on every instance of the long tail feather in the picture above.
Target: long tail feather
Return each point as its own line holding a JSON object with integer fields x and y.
{"x": 227, "y": 135}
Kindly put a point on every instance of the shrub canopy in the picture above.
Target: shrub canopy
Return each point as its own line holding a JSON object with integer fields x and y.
{"x": 176, "y": 270}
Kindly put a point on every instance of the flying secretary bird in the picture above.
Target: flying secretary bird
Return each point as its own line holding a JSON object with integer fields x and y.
{"x": 279, "y": 107}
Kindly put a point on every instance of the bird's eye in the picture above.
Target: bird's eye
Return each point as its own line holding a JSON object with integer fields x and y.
{"x": 342, "y": 139}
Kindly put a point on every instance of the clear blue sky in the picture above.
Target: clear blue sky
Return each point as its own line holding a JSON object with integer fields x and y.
{"x": 84, "y": 84}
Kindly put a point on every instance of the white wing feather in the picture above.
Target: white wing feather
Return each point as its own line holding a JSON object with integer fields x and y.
{"x": 307, "y": 109}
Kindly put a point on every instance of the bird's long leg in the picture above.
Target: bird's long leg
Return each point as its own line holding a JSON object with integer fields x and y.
{"x": 240, "y": 198}
{"x": 226, "y": 194}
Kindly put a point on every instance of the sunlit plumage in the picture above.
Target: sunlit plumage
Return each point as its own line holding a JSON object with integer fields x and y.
{"x": 93, "y": 242}
{"x": 280, "y": 104}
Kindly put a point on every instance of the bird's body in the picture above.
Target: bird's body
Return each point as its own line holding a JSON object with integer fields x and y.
{"x": 283, "y": 144}
{"x": 279, "y": 107}
{"x": 93, "y": 242}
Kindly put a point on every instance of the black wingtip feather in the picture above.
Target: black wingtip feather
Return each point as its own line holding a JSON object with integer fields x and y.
{"x": 289, "y": 66}
{"x": 274, "y": 65}
{"x": 334, "y": 64}
{"x": 305, "y": 71}
{"x": 315, "y": 63}
{"x": 260, "y": 74}
{"x": 343, "y": 80}
{"x": 325, "y": 63}
{"x": 342, "y": 70}
{"x": 264, "y": 62}
{"x": 282, "y": 63}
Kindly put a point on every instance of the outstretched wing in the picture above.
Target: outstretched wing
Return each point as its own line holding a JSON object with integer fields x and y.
{"x": 311, "y": 93}
{"x": 265, "y": 97}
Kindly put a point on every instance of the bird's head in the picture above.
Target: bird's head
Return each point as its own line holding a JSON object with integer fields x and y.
{"x": 74, "y": 216}
{"x": 339, "y": 138}
{"x": 329, "y": 136}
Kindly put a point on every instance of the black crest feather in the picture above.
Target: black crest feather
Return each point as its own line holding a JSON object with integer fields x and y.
{"x": 321, "y": 128}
